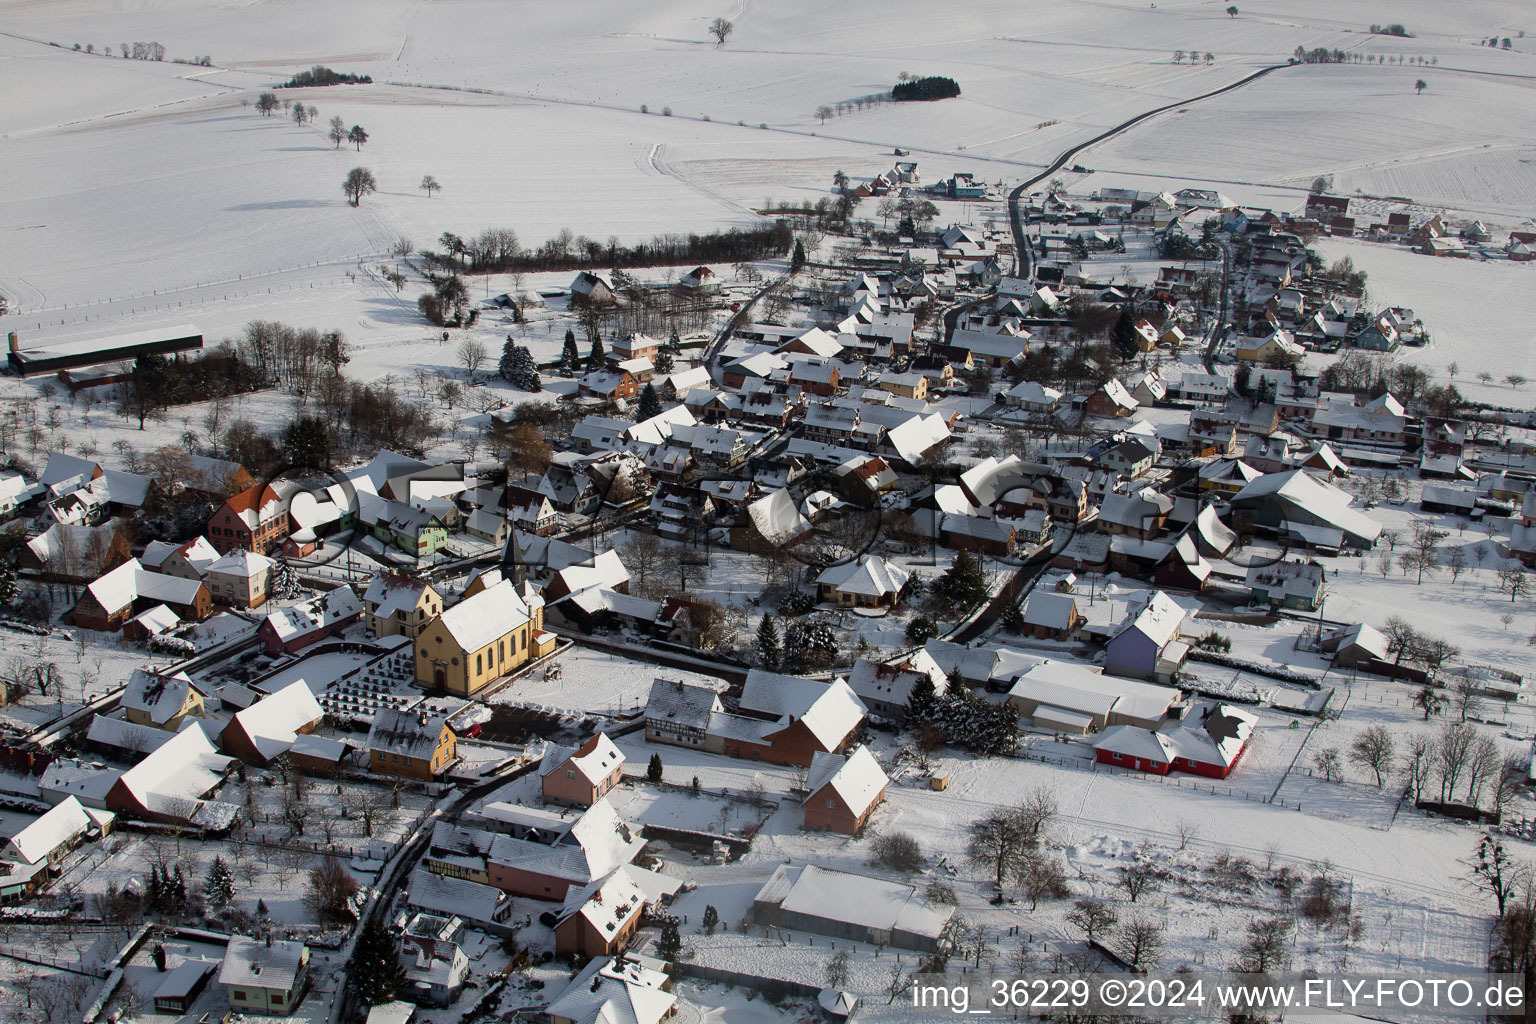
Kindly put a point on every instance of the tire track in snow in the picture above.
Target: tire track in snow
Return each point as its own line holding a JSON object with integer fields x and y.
{"x": 659, "y": 163}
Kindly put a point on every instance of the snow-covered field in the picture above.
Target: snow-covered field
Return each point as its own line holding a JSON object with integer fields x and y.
{"x": 157, "y": 181}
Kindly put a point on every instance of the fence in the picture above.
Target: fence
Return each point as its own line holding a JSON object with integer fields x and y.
{"x": 1180, "y": 781}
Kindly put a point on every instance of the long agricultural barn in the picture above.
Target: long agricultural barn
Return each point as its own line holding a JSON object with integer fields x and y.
{"x": 71, "y": 355}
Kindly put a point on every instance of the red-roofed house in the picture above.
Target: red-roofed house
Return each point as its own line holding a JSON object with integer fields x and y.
{"x": 253, "y": 520}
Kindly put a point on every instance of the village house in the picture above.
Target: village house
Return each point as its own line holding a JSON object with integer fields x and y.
{"x": 599, "y": 918}
{"x": 886, "y": 689}
{"x": 1076, "y": 699}
{"x": 781, "y": 719}
{"x": 162, "y": 701}
{"x": 291, "y": 629}
{"x": 263, "y": 732}
{"x": 580, "y": 776}
{"x": 1130, "y": 459}
{"x": 1147, "y": 646}
{"x": 35, "y": 855}
{"x": 400, "y": 605}
{"x": 1207, "y": 742}
{"x": 1298, "y": 586}
{"x": 239, "y": 578}
{"x": 612, "y": 990}
{"x": 1049, "y": 616}
{"x": 256, "y": 519}
{"x": 410, "y": 743}
{"x": 111, "y": 600}
{"x": 842, "y": 792}
{"x": 867, "y": 582}
{"x": 268, "y": 978}
{"x": 1110, "y": 401}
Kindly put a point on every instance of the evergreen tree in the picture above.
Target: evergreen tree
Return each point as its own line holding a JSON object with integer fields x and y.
{"x": 176, "y": 892}
{"x": 154, "y": 890}
{"x": 770, "y": 645}
{"x": 711, "y": 919}
{"x": 649, "y": 405}
{"x": 307, "y": 443}
{"x": 219, "y": 890}
{"x": 508, "y": 365}
{"x": 966, "y": 581}
{"x": 653, "y": 768}
{"x": 375, "y": 966}
{"x": 670, "y": 943}
{"x": 674, "y": 343}
{"x": 570, "y": 357}
{"x": 7, "y": 583}
{"x": 597, "y": 360}
{"x": 921, "y": 702}
{"x": 797, "y": 260}
{"x": 282, "y": 581}
{"x": 664, "y": 362}
{"x": 262, "y": 913}
{"x": 159, "y": 957}
{"x": 519, "y": 368}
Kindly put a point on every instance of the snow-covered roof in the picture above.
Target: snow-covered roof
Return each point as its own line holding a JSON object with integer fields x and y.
{"x": 406, "y": 733}
{"x": 183, "y": 768}
{"x": 256, "y": 964}
{"x": 609, "y": 991}
{"x": 61, "y": 824}
{"x": 682, "y": 704}
{"x": 88, "y": 780}
{"x": 879, "y": 682}
{"x": 242, "y": 564}
{"x": 1158, "y": 620}
{"x": 918, "y": 435}
{"x": 777, "y": 518}
{"x": 858, "y": 780}
{"x": 273, "y": 722}
{"x": 829, "y": 710}
{"x": 596, "y": 843}
{"x": 869, "y": 576}
{"x": 1324, "y": 502}
{"x": 316, "y": 613}
{"x": 458, "y": 897}
{"x": 481, "y": 620}
{"x": 595, "y": 759}
{"x": 975, "y": 664}
{"x": 1033, "y": 392}
{"x": 159, "y": 696}
{"x": 125, "y": 735}
{"x": 872, "y": 903}
{"x": 606, "y": 904}
{"x": 130, "y": 581}
{"x": 1084, "y": 690}
{"x": 391, "y": 594}
{"x": 1053, "y": 611}
{"x": 1214, "y": 735}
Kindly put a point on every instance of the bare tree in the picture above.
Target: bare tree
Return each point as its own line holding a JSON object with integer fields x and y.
{"x": 1453, "y": 754}
{"x": 1042, "y": 878}
{"x": 837, "y": 969}
{"x": 1329, "y": 764}
{"x": 1140, "y": 943}
{"x": 644, "y": 555}
{"x": 720, "y": 28}
{"x": 1464, "y": 697}
{"x": 1186, "y": 830}
{"x": 1486, "y": 763}
{"x": 1418, "y": 762}
{"x": 429, "y": 185}
{"x": 1267, "y": 946}
{"x": 1140, "y": 879}
{"x": 1094, "y": 917}
{"x": 1374, "y": 750}
{"x": 472, "y": 353}
{"x": 1491, "y": 870}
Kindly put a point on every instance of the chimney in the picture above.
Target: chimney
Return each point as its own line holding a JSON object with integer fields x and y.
{"x": 15, "y": 345}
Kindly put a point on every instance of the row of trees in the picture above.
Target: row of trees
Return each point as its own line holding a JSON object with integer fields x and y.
{"x": 1436, "y": 764}
{"x": 568, "y": 251}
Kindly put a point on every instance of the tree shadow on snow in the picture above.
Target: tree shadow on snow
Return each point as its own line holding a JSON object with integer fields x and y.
{"x": 279, "y": 204}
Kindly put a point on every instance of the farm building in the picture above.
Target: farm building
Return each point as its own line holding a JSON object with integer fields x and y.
{"x": 844, "y": 905}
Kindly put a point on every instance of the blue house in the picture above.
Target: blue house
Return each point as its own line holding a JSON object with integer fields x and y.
{"x": 1147, "y": 645}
